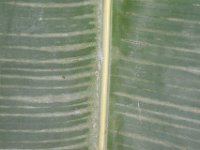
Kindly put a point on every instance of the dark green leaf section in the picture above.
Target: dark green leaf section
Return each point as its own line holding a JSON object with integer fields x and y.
{"x": 155, "y": 75}
{"x": 47, "y": 74}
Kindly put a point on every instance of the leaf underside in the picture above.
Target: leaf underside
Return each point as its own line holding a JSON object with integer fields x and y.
{"x": 47, "y": 74}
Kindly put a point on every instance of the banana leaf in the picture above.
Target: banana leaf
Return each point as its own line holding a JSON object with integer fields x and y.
{"x": 51, "y": 60}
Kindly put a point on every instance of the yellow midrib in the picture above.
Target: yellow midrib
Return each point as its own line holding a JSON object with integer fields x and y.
{"x": 105, "y": 73}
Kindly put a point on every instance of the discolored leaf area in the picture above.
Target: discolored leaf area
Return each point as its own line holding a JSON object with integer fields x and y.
{"x": 47, "y": 74}
{"x": 155, "y": 75}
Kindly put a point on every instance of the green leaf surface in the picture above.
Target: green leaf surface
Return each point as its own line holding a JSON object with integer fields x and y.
{"x": 47, "y": 74}
{"x": 50, "y": 66}
{"x": 155, "y": 75}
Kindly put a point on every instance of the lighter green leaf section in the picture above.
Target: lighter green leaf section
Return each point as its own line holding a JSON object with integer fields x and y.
{"x": 155, "y": 74}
